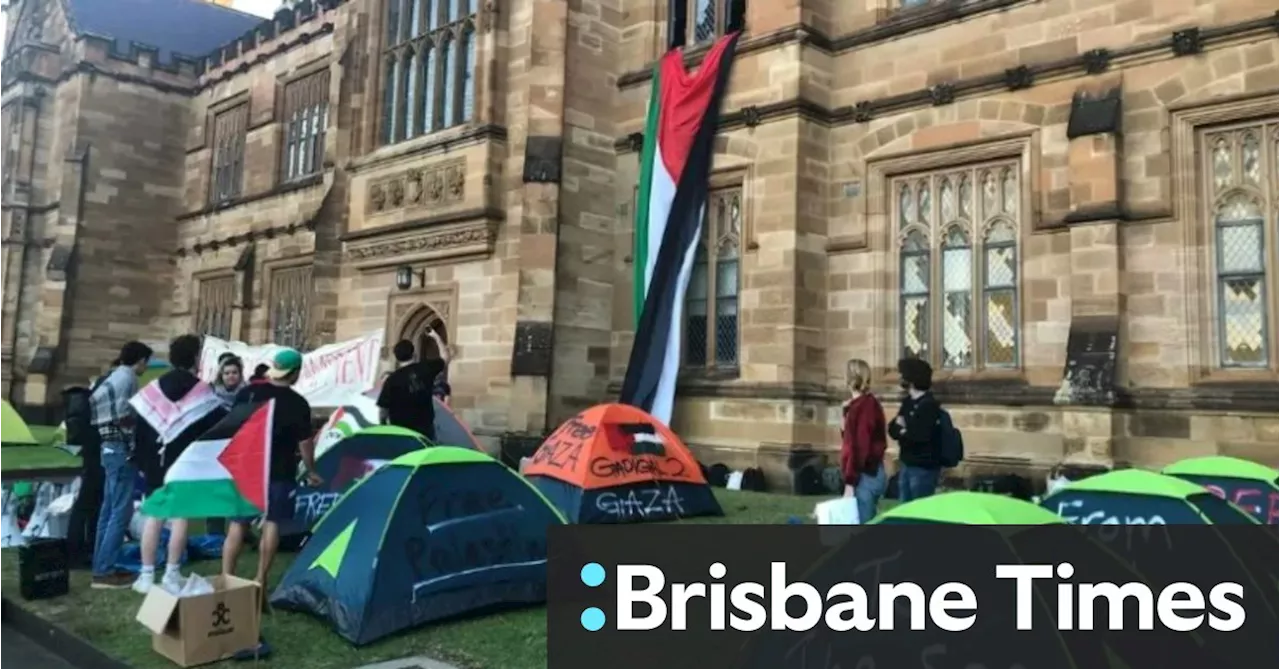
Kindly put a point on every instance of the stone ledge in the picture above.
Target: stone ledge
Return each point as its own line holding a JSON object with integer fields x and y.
{"x": 450, "y": 237}
{"x": 1260, "y": 397}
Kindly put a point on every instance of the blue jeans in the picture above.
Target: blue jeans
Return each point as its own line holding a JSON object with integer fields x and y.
{"x": 917, "y": 482}
{"x": 117, "y": 507}
{"x": 868, "y": 493}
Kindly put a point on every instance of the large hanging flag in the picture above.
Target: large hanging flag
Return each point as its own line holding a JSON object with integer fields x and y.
{"x": 680, "y": 132}
{"x": 169, "y": 418}
{"x": 224, "y": 473}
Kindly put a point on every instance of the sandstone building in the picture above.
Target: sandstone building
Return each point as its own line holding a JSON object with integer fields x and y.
{"x": 996, "y": 185}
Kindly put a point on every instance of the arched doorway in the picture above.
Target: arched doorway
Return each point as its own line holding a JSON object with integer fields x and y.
{"x": 415, "y": 326}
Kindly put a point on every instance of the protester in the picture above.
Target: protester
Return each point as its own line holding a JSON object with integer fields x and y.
{"x": 916, "y": 430}
{"x": 230, "y": 379}
{"x": 114, "y": 420}
{"x": 154, "y": 456}
{"x": 863, "y": 442}
{"x": 406, "y": 397}
{"x": 259, "y": 374}
{"x": 291, "y": 440}
{"x": 82, "y": 524}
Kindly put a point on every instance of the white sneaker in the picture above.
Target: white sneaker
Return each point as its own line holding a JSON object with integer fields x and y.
{"x": 143, "y": 583}
{"x": 172, "y": 582}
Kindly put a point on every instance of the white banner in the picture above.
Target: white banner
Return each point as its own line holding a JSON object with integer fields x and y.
{"x": 330, "y": 374}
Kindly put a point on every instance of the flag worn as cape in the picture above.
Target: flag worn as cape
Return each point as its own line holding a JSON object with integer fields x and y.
{"x": 679, "y": 139}
{"x": 169, "y": 418}
{"x": 224, "y": 473}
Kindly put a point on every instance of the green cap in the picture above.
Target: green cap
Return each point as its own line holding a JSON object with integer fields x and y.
{"x": 285, "y": 362}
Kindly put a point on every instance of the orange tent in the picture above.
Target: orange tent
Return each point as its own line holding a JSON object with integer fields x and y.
{"x": 615, "y": 463}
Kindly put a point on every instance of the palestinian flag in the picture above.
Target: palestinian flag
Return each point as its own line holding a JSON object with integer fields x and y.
{"x": 645, "y": 439}
{"x": 224, "y": 473}
{"x": 680, "y": 131}
{"x": 346, "y": 420}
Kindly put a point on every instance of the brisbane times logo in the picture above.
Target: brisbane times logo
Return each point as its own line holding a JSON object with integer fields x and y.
{"x": 645, "y": 602}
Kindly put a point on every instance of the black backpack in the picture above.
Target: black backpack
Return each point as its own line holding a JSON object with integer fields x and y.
{"x": 78, "y": 415}
{"x": 950, "y": 440}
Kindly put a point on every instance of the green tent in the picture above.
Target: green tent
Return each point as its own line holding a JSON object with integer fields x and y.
{"x": 1251, "y": 486}
{"x": 1141, "y": 497}
{"x": 967, "y": 508}
{"x": 14, "y": 430}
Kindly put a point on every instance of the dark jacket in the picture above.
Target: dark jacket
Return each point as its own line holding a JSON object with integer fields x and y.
{"x": 918, "y": 444}
{"x": 862, "y": 438}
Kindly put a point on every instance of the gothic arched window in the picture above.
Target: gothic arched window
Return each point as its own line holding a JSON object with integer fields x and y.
{"x": 711, "y": 302}
{"x": 1242, "y": 217}
{"x": 430, "y": 65}
{"x": 957, "y": 311}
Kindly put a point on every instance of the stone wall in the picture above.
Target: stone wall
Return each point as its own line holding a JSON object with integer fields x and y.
{"x": 274, "y": 223}
{"x": 825, "y": 117}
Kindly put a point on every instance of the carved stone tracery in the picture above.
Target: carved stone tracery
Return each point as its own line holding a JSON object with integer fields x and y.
{"x": 422, "y": 243}
{"x": 436, "y": 185}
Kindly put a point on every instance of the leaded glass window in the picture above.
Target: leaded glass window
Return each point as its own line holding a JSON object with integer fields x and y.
{"x": 289, "y": 304}
{"x": 958, "y": 265}
{"x": 1241, "y": 181}
{"x": 429, "y": 63}
{"x": 215, "y": 302}
{"x": 711, "y": 302}
{"x": 306, "y": 113}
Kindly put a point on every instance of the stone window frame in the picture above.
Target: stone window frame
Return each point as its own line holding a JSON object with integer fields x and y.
{"x": 303, "y": 108}
{"x": 719, "y": 9}
{"x": 1187, "y": 123}
{"x": 200, "y": 281}
{"x": 273, "y": 269}
{"x": 721, "y": 180}
{"x": 450, "y": 43}
{"x": 228, "y": 136}
{"x": 1023, "y": 149}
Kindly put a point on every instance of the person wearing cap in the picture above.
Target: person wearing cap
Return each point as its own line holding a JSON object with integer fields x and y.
{"x": 291, "y": 441}
{"x": 915, "y": 429}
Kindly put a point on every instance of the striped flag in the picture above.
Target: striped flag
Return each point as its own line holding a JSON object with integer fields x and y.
{"x": 680, "y": 131}
{"x": 224, "y": 473}
{"x": 169, "y": 418}
{"x": 646, "y": 439}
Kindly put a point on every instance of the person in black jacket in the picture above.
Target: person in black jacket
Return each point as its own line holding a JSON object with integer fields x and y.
{"x": 184, "y": 355}
{"x": 82, "y": 526}
{"x": 916, "y": 430}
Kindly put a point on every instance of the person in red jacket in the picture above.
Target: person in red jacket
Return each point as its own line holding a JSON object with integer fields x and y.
{"x": 863, "y": 442}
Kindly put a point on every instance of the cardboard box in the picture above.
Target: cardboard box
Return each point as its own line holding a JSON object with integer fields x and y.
{"x": 206, "y": 628}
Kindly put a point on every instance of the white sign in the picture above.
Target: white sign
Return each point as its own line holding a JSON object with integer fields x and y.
{"x": 330, "y": 374}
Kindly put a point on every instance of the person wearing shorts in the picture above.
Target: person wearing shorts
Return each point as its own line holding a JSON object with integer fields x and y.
{"x": 154, "y": 459}
{"x": 291, "y": 442}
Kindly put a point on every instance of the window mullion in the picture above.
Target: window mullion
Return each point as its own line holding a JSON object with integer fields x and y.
{"x": 712, "y": 274}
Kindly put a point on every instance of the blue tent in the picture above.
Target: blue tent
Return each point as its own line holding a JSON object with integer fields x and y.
{"x": 434, "y": 534}
{"x": 343, "y": 464}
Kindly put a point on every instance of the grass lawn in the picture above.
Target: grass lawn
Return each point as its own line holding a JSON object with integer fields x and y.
{"x": 514, "y": 640}
{"x": 43, "y": 456}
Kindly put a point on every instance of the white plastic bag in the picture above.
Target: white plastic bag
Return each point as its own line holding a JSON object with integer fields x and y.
{"x": 1053, "y": 483}
{"x": 735, "y": 481}
{"x": 52, "y": 514}
{"x": 838, "y": 511}
{"x": 10, "y": 535}
{"x": 194, "y": 586}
